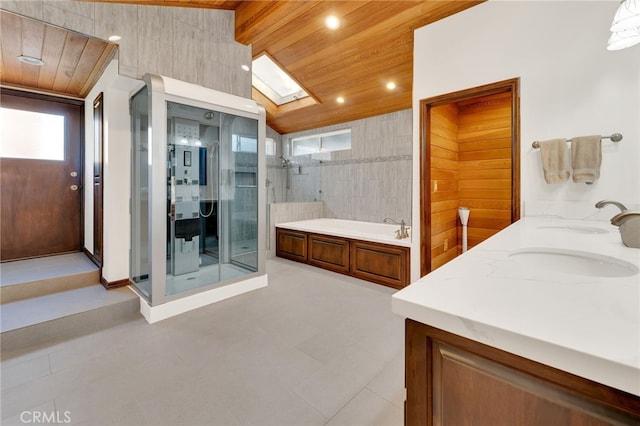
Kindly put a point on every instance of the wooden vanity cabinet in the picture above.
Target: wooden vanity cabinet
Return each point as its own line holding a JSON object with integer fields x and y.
{"x": 452, "y": 380}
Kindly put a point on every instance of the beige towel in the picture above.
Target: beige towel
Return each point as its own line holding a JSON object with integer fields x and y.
{"x": 554, "y": 160}
{"x": 586, "y": 157}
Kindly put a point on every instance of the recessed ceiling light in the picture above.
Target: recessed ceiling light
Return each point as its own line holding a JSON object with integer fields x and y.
{"x": 30, "y": 60}
{"x": 340, "y": 100}
{"x": 332, "y": 22}
{"x": 391, "y": 85}
{"x": 245, "y": 67}
{"x": 115, "y": 37}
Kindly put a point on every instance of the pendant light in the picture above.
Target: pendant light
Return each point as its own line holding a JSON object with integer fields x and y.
{"x": 627, "y": 16}
{"x": 623, "y": 39}
{"x": 625, "y": 28}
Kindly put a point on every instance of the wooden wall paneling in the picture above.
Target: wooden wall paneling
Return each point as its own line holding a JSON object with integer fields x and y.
{"x": 444, "y": 183}
{"x": 484, "y": 127}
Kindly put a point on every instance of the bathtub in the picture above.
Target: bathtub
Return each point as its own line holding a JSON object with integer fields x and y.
{"x": 365, "y": 250}
{"x": 367, "y": 231}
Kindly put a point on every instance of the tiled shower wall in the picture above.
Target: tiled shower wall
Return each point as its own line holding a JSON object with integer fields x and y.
{"x": 190, "y": 44}
{"x": 369, "y": 182}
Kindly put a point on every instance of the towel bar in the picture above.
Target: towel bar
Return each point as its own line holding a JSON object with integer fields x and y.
{"x": 616, "y": 137}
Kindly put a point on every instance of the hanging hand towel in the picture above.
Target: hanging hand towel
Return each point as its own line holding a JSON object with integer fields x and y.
{"x": 554, "y": 160}
{"x": 586, "y": 157}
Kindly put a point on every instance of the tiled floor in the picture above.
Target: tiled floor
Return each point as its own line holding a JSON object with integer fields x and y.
{"x": 312, "y": 348}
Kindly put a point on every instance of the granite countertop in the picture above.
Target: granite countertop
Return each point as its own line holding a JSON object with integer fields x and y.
{"x": 577, "y": 322}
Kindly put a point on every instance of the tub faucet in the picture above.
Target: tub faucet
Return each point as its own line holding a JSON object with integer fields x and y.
{"x": 600, "y": 204}
{"x": 401, "y": 233}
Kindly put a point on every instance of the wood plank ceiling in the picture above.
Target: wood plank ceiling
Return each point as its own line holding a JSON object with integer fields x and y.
{"x": 73, "y": 62}
{"x": 373, "y": 46}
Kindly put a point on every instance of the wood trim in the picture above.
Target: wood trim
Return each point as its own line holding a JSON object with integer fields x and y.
{"x": 420, "y": 379}
{"x": 425, "y": 188}
{"x": 92, "y": 258}
{"x": 109, "y": 285}
{"x": 511, "y": 86}
{"x": 97, "y": 179}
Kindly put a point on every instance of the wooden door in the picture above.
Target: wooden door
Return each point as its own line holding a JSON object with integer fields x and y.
{"x": 40, "y": 193}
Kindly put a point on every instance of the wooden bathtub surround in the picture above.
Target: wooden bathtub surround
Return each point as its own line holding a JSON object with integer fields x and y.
{"x": 384, "y": 264}
{"x": 452, "y": 380}
{"x": 469, "y": 158}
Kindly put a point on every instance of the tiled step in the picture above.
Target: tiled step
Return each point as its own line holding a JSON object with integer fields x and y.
{"x": 63, "y": 315}
{"x": 25, "y": 279}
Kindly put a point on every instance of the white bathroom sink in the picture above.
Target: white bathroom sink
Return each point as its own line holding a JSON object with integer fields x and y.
{"x": 577, "y": 229}
{"x": 573, "y": 262}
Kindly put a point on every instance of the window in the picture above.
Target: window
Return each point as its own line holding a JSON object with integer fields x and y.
{"x": 323, "y": 142}
{"x": 270, "y": 147}
{"x": 242, "y": 143}
{"x": 273, "y": 82}
{"x": 31, "y": 135}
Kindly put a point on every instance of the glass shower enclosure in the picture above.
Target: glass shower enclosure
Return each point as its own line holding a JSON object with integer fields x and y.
{"x": 196, "y": 204}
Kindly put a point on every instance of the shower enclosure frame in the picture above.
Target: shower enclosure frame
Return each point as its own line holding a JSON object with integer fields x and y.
{"x": 161, "y": 91}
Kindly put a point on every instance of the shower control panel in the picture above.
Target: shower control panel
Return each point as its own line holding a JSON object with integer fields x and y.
{"x": 185, "y": 198}
{"x": 185, "y": 131}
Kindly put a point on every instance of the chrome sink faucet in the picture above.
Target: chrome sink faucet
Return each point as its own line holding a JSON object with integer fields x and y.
{"x": 401, "y": 233}
{"x": 629, "y": 224}
{"x": 627, "y": 221}
{"x": 600, "y": 204}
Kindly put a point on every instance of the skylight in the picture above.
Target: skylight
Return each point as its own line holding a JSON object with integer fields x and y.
{"x": 274, "y": 82}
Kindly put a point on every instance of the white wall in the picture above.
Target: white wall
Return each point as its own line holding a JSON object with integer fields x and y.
{"x": 190, "y": 44}
{"x": 570, "y": 86}
{"x": 116, "y": 90}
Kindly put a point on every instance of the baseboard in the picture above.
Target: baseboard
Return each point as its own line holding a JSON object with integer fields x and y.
{"x": 114, "y": 284}
{"x": 185, "y": 304}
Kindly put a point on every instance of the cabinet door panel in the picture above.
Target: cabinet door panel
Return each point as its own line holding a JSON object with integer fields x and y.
{"x": 329, "y": 253}
{"x": 291, "y": 245}
{"x": 452, "y": 380}
{"x": 381, "y": 263}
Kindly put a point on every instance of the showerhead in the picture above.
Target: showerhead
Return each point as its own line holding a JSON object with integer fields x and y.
{"x": 285, "y": 162}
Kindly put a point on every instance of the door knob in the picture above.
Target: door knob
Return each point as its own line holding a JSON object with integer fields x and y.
{"x": 74, "y": 187}
{"x": 73, "y": 174}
